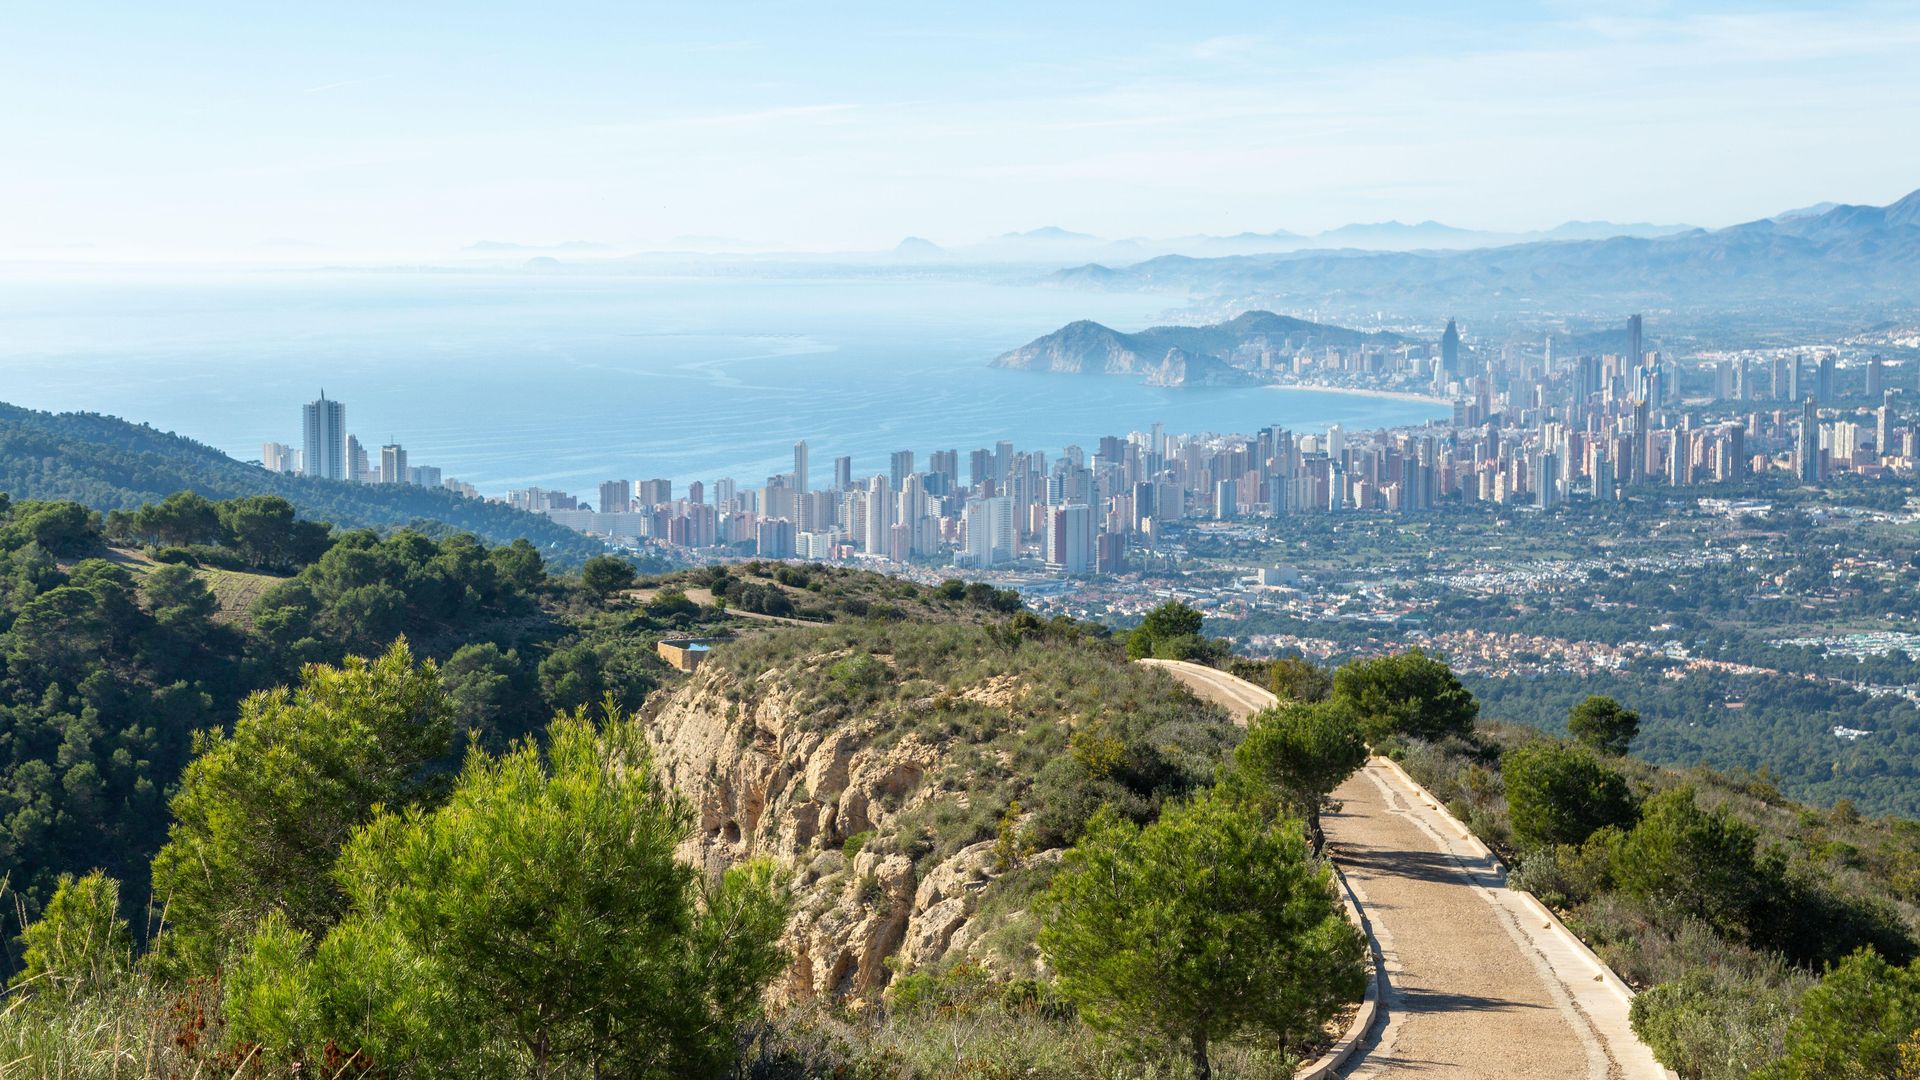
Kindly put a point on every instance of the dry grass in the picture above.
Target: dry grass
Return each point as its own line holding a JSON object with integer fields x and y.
{"x": 136, "y": 1032}
{"x": 980, "y": 1044}
{"x": 237, "y": 590}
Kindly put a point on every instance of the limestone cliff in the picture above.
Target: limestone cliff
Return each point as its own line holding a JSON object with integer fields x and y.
{"x": 767, "y": 780}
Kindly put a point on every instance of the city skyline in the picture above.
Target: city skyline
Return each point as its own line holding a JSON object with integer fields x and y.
{"x": 1528, "y": 430}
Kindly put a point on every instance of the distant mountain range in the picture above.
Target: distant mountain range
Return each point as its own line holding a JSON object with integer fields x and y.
{"x": 1844, "y": 257}
{"x": 500, "y": 246}
{"x": 1179, "y": 355}
{"x": 1052, "y": 243}
{"x": 111, "y": 464}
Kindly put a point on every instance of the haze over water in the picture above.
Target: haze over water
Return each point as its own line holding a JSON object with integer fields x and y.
{"x": 511, "y": 380}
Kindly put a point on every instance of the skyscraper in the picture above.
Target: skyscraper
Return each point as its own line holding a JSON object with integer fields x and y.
{"x": 279, "y": 457}
{"x": 1546, "y": 480}
{"x": 393, "y": 464}
{"x": 652, "y": 493}
{"x": 1070, "y": 539}
{"x": 1636, "y": 348}
{"x": 979, "y": 467}
{"x": 800, "y": 465}
{"x": 616, "y": 496}
{"x": 989, "y": 532}
{"x": 325, "y": 447}
{"x": 902, "y": 467}
{"x": 842, "y": 473}
{"x": 1450, "y": 349}
{"x": 359, "y": 465}
{"x": 879, "y": 523}
{"x": 1806, "y": 449}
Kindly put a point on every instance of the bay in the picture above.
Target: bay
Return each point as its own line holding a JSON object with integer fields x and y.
{"x": 508, "y": 380}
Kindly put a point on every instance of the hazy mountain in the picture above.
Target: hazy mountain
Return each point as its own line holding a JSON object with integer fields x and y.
{"x": 1806, "y": 211}
{"x": 1056, "y": 244}
{"x": 1846, "y": 258}
{"x": 1050, "y": 234}
{"x": 1602, "y": 230}
{"x": 1396, "y": 236}
{"x": 1179, "y": 355}
{"x": 506, "y": 246}
{"x": 914, "y": 247}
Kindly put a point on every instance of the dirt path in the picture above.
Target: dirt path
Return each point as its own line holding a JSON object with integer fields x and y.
{"x": 1480, "y": 981}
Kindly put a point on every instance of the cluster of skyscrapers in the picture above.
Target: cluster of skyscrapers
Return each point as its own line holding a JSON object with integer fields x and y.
{"x": 1528, "y": 428}
{"x": 984, "y": 518}
{"x": 326, "y": 451}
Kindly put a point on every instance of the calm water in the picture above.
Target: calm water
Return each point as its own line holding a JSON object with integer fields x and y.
{"x": 510, "y": 380}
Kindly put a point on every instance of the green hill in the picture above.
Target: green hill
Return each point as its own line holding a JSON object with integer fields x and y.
{"x": 110, "y": 464}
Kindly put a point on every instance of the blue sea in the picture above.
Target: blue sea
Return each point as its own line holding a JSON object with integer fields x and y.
{"x": 508, "y": 380}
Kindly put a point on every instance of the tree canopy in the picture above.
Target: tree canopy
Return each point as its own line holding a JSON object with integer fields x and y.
{"x": 1295, "y": 755}
{"x": 540, "y": 915}
{"x": 1211, "y": 923}
{"x": 1603, "y": 724}
{"x": 262, "y": 812}
{"x": 1407, "y": 693}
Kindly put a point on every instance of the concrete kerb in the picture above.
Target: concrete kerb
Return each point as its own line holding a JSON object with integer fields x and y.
{"x": 1369, "y": 1009}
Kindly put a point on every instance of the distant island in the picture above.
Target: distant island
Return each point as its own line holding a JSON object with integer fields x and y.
{"x": 1238, "y": 352}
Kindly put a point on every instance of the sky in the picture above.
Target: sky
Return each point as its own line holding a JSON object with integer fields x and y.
{"x": 164, "y": 130}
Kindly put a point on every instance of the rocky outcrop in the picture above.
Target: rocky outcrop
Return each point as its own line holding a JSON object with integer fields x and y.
{"x": 768, "y": 779}
{"x": 1216, "y": 355}
{"x": 1182, "y": 368}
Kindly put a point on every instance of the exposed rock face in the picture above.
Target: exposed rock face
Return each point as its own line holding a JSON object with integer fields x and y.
{"x": 766, "y": 783}
{"x": 1181, "y": 368}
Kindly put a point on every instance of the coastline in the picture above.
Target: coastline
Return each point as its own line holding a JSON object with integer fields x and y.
{"x": 1395, "y": 395}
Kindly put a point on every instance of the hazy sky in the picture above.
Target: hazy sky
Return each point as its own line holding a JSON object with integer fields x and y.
{"x": 420, "y": 126}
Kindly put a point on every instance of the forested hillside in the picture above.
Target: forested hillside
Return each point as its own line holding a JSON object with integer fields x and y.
{"x": 120, "y": 639}
{"x": 430, "y": 810}
{"x": 107, "y": 464}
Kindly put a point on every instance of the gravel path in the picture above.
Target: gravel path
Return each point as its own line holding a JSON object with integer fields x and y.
{"x": 1466, "y": 995}
{"x": 1481, "y": 982}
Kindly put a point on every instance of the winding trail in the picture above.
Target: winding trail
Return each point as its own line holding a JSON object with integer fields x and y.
{"x": 1481, "y": 981}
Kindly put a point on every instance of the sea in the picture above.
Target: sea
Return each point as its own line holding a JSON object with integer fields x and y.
{"x": 510, "y": 380}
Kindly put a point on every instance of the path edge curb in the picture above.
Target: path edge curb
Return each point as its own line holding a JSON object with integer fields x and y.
{"x": 1369, "y": 1010}
{"x": 1608, "y": 976}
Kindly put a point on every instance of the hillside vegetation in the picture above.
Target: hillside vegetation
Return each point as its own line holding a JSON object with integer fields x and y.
{"x": 109, "y": 464}
{"x": 430, "y": 810}
{"x": 407, "y": 823}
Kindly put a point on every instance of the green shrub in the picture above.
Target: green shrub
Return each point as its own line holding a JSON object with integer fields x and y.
{"x": 1562, "y": 875}
{"x": 1603, "y": 724}
{"x": 79, "y": 945}
{"x": 1146, "y": 926}
{"x": 1852, "y": 1024}
{"x": 1711, "y": 1025}
{"x": 1559, "y": 794}
{"x": 1684, "y": 862}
